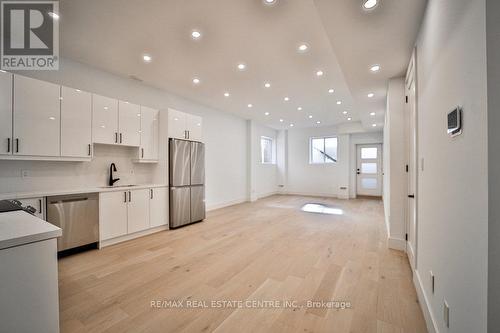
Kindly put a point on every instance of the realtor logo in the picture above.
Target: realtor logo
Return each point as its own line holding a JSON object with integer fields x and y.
{"x": 30, "y": 35}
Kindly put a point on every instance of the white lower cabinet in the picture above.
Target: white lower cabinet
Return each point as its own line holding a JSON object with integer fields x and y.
{"x": 158, "y": 207}
{"x": 130, "y": 211}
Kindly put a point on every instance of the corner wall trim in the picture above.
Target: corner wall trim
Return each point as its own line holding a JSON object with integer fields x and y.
{"x": 424, "y": 304}
{"x": 226, "y": 204}
{"x": 396, "y": 243}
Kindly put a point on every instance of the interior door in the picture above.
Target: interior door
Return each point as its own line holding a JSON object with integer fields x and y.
{"x": 5, "y": 113}
{"x": 411, "y": 218}
{"x": 369, "y": 170}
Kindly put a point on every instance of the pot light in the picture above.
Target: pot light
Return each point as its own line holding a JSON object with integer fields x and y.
{"x": 370, "y": 95}
{"x": 369, "y": 4}
{"x": 318, "y": 122}
{"x": 374, "y": 125}
{"x": 331, "y": 91}
{"x": 266, "y": 113}
{"x": 54, "y": 15}
{"x": 310, "y": 116}
{"x": 241, "y": 66}
{"x": 105, "y": 108}
{"x": 299, "y": 108}
{"x": 286, "y": 99}
{"x": 147, "y": 58}
{"x": 319, "y": 73}
{"x": 226, "y": 94}
{"x": 196, "y": 80}
{"x": 375, "y": 68}
{"x": 339, "y": 102}
{"x": 269, "y": 2}
{"x": 349, "y": 118}
{"x": 267, "y": 85}
{"x": 303, "y": 48}
{"x": 250, "y": 105}
{"x": 344, "y": 112}
{"x": 291, "y": 125}
{"x": 52, "y": 118}
{"x": 281, "y": 120}
{"x": 372, "y": 114}
{"x": 195, "y": 34}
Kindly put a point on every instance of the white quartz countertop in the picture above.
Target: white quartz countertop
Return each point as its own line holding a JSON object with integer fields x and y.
{"x": 37, "y": 194}
{"x": 19, "y": 228}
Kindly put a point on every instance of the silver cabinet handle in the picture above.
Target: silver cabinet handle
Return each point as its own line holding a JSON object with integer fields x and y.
{"x": 90, "y": 149}
{"x": 8, "y": 145}
{"x": 40, "y": 203}
{"x": 129, "y": 196}
{"x": 121, "y": 135}
{"x": 125, "y": 200}
{"x": 188, "y": 134}
{"x": 116, "y": 137}
{"x": 142, "y": 152}
{"x": 17, "y": 145}
{"x": 151, "y": 196}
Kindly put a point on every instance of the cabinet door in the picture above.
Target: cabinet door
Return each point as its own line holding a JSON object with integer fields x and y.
{"x": 129, "y": 123}
{"x": 112, "y": 214}
{"x": 104, "y": 119}
{"x": 158, "y": 206}
{"x": 194, "y": 127}
{"x": 138, "y": 210}
{"x": 176, "y": 124}
{"x": 36, "y": 117}
{"x": 76, "y": 123}
{"x": 149, "y": 133}
{"x": 5, "y": 113}
{"x": 37, "y": 203}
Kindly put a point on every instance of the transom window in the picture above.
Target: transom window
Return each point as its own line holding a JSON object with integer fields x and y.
{"x": 323, "y": 150}
{"x": 267, "y": 150}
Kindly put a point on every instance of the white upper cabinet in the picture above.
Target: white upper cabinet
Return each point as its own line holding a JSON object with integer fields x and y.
{"x": 129, "y": 124}
{"x": 149, "y": 134}
{"x": 104, "y": 120}
{"x": 5, "y": 113}
{"x": 36, "y": 117}
{"x": 76, "y": 123}
{"x": 193, "y": 127}
{"x": 184, "y": 126}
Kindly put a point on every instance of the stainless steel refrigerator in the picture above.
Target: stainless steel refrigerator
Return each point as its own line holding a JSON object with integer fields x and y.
{"x": 186, "y": 181}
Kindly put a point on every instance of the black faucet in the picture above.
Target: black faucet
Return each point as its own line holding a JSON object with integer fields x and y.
{"x": 112, "y": 168}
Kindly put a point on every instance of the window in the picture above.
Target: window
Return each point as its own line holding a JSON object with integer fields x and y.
{"x": 267, "y": 150}
{"x": 323, "y": 150}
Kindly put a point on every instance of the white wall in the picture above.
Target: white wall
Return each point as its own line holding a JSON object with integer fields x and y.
{"x": 453, "y": 185}
{"x": 395, "y": 157}
{"x": 225, "y": 137}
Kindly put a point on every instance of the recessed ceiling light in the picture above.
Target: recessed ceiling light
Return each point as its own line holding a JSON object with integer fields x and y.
{"x": 344, "y": 112}
{"x": 54, "y": 15}
{"x": 299, "y": 108}
{"x": 291, "y": 125}
{"x": 349, "y": 118}
{"x": 147, "y": 58}
{"x": 281, "y": 120}
{"x": 374, "y": 125}
{"x": 310, "y": 116}
{"x": 331, "y": 91}
{"x": 370, "y": 95}
{"x": 319, "y": 73}
{"x": 375, "y": 68}
{"x": 266, "y": 113}
{"x": 286, "y": 99}
{"x": 269, "y": 2}
{"x": 242, "y": 66}
{"x": 195, "y": 34}
{"x": 250, "y": 105}
{"x": 318, "y": 122}
{"x": 369, "y": 4}
{"x": 372, "y": 114}
{"x": 303, "y": 47}
{"x": 226, "y": 94}
{"x": 105, "y": 108}
{"x": 267, "y": 85}
{"x": 196, "y": 80}
{"x": 339, "y": 102}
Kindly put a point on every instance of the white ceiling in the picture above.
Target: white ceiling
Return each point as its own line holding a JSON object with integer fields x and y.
{"x": 344, "y": 41}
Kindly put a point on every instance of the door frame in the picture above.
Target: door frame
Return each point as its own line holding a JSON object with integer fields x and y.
{"x": 380, "y": 155}
{"x": 411, "y": 75}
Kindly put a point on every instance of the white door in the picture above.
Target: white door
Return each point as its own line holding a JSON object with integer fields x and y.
{"x": 5, "y": 113}
{"x": 138, "y": 210}
{"x": 411, "y": 219}
{"x": 149, "y": 133}
{"x": 104, "y": 119}
{"x": 36, "y": 117}
{"x": 129, "y": 123}
{"x": 112, "y": 214}
{"x": 158, "y": 206}
{"x": 193, "y": 124}
{"x": 176, "y": 124}
{"x": 76, "y": 123}
{"x": 369, "y": 170}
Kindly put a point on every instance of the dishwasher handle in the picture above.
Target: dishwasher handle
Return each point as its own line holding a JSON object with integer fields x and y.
{"x": 69, "y": 200}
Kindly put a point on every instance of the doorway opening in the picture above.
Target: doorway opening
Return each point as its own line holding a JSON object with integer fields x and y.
{"x": 369, "y": 170}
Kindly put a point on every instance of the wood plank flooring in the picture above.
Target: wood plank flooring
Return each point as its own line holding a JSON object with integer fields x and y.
{"x": 268, "y": 250}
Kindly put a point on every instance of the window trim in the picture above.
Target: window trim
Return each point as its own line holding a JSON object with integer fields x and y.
{"x": 273, "y": 150}
{"x": 311, "y": 150}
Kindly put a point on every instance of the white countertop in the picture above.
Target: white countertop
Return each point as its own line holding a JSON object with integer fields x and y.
{"x": 19, "y": 228}
{"x": 38, "y": 194}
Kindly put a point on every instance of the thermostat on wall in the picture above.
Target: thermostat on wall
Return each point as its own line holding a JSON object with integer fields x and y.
{"x": 455, "y": 122}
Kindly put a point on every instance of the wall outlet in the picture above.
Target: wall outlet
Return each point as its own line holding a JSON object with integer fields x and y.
{"x": 446, "y": 314}
{"x": 433, "y": 285}
{"x": 25, "y": 173}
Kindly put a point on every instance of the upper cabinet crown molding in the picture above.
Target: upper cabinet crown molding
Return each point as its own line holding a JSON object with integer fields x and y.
{"x": 184, "y": 126}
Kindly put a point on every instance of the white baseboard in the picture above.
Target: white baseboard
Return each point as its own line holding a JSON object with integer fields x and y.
{"x": 396, "y": 243}
{"x": 108, "y": 242}
{"x": 226, "y": 204}
{"x": 311, "y": 194}
{"x": 424, "y": 304}
{"x": 265, "y": 195}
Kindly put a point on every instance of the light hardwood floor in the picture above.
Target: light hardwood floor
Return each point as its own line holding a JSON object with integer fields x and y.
{"x": 266, "y": 250}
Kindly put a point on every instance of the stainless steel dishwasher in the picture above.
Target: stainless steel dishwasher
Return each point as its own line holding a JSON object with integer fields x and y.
{"x": 78, "y": 217}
